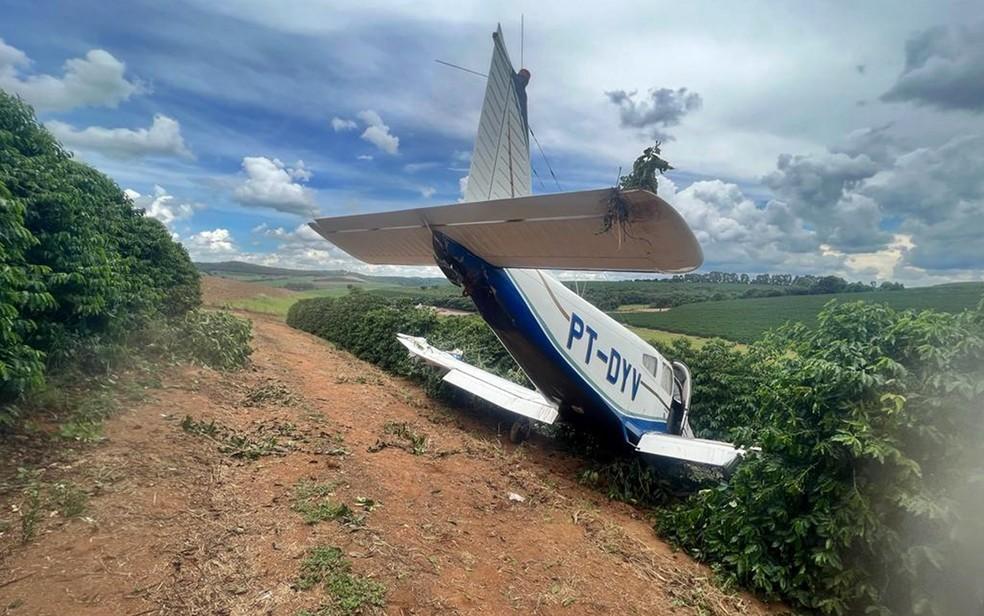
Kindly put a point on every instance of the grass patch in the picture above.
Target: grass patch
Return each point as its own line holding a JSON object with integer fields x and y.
{"x": 348, "y": 593}
{"x": 31, "y": 504}
{"x": 69, "y": 499}
{"x": 313, "y": 501}
{"x": 39, "y": 498}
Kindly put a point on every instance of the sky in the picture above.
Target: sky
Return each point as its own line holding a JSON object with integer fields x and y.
{"x": 838, "y": 137}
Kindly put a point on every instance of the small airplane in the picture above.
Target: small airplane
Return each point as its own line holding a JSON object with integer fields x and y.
{"x": 585, "y": 366}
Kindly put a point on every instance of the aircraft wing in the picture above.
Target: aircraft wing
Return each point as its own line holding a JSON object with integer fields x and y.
{"x": 558, "y": 231}
{"x": 689, "y": 449}
{"x": 487, "y": 386}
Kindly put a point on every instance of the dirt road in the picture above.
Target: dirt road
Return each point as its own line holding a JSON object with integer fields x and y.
{"x": 183, "y": 521}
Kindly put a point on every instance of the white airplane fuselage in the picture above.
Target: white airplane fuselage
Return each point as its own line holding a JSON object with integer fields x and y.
{"x": 575, "y": 354}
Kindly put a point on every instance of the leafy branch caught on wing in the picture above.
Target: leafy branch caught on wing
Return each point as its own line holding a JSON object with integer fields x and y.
{"x": 644, "y": 175}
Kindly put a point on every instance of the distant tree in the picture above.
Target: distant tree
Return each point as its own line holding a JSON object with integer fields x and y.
{"x": 830, "y": 284}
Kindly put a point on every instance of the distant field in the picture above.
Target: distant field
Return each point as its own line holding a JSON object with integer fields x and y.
{"x": 278, "y": 306}
{"x": 267, "y": 294}
{"x": 310, "y": 279}
{"x": 745, "y": 320}
{"x": 662, "y": 339}
{"x": 255, "y": 297}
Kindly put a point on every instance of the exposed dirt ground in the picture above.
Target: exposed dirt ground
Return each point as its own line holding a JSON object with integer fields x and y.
{"x": 217, "y": 291}
{"x": 177, "y": 526}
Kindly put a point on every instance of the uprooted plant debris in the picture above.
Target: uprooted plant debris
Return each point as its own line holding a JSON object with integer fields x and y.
{"x": 271, "y": 392}
{"x": 269, "y": 437}
{"x": 406, "y": 438}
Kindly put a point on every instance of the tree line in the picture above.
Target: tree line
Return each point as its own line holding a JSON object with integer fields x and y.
{"x": 816, "y": 284}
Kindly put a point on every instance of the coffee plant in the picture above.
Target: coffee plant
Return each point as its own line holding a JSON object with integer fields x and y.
{"x": 80, "y": 266}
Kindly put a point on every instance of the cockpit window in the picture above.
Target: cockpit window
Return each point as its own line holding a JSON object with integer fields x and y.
{"x": 650, "y": 363}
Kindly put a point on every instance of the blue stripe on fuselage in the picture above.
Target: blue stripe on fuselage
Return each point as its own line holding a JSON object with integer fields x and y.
{"x": 514, "y": 322}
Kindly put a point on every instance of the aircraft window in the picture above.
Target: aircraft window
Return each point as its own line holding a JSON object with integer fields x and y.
{"x": 649, "y": 363}
{"x": 667, "y": 378}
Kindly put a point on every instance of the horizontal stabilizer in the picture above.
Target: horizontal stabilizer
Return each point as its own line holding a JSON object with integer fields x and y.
{"x": 492, "y": 388}
{"x": 577, "y": 231}
{"x": 694, "y": 450}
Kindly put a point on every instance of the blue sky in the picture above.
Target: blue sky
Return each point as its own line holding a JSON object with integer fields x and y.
{"x": 841, "y": 138}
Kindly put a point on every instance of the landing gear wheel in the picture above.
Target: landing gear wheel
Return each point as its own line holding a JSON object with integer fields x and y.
{"x": 520, "y": 431}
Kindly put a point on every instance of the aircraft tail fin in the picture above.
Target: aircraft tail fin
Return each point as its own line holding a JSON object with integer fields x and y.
{"x": 500, "y": 163}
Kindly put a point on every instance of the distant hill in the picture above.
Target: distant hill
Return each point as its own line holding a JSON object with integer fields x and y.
{"x": 309, "y": 279}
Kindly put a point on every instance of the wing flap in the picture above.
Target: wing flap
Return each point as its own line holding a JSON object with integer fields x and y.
{"x": 490, "y": 387}
{"x": 557, "y": 231}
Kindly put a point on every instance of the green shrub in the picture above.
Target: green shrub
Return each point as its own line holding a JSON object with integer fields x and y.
{"x": 214, "y": 338}
{"x": 365, "y": 325}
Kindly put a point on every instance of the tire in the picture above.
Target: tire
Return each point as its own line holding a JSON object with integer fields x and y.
{"x": 520, "y": 430}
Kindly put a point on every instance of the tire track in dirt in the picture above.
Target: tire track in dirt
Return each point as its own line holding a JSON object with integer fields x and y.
{"x": 181, "y": 528}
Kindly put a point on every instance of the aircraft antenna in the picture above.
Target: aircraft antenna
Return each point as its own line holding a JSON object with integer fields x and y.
{"x": 461, "y": 68}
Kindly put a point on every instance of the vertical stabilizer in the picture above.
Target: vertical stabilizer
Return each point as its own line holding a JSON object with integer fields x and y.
{"x": 500, "y": 164}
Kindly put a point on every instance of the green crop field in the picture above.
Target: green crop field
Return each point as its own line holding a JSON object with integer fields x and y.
{"x": 278, "y": 306}
{"x": 745, "y": 320}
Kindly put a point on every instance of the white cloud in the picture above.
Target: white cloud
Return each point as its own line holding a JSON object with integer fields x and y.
{"x": 97, "y": 80}
{"x": 738, "y": 235}
{"x": 427, "y": 192}
{"x": 163, "y": 138}
{"x": 211, "y": 245}
{"x": 377, "y": 133}
{"x": 881, "y": 264}
{"x": 269, "y": 183}
{"x": 342, "y": 124}
{"x": 462, "y": 187}
{"x": 161, "y": 205}
{"x": 418, "y": 167}
{"x": 299, "y": 172}
{"x": 364, "y": 157}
